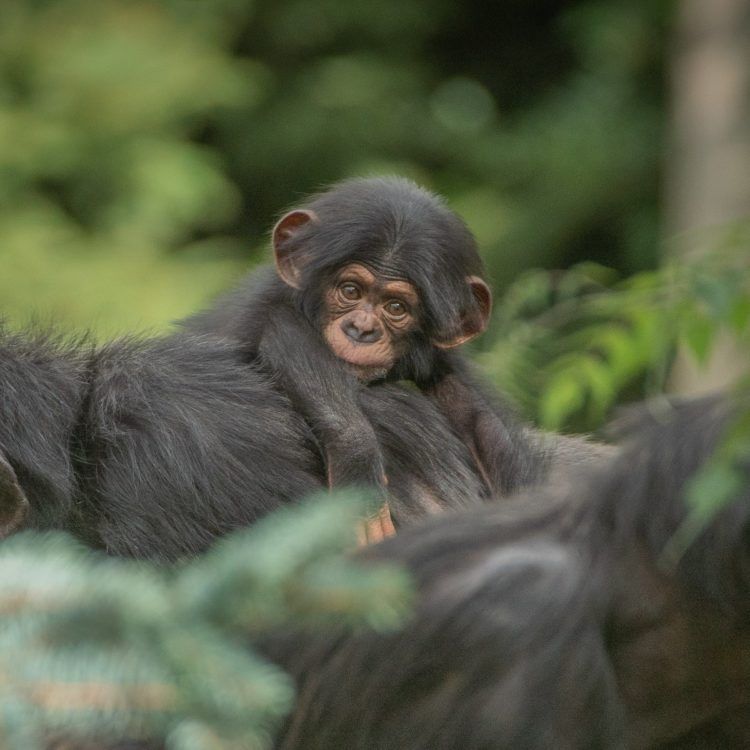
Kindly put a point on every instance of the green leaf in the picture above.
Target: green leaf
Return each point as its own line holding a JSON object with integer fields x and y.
{"x": 717, "y": 293}
{"x": 616, "y": 346}
{"x": 739, "y": 315}
{"x": 600, "y": 385}
{"x": 698, "y": 333}
{"x": 562, "y": 398}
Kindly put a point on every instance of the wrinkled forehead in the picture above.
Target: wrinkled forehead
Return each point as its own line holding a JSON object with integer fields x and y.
{"x": 380, "y": 279}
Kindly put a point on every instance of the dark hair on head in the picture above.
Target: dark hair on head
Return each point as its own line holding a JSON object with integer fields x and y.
{"x": 401, "y": 229}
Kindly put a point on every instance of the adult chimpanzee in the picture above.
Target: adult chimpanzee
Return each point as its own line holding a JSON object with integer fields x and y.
{"x": 554, "y": 621}
{"x": 375, "y": 279}
{"x": 154, "y": 448}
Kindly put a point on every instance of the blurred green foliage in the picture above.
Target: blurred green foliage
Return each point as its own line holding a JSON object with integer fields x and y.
{"x": 146, "y": 146}
{"x": 111, "y": 212}
{"x": 570, "y": 346}
{"x": 102, "y": 649}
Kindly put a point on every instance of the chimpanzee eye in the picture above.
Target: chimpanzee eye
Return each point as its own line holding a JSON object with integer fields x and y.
{"x": 350, "y": 291}
{"x": 395, "y": 308}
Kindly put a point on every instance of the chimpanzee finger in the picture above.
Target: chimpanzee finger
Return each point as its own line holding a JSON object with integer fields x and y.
{"x": 376, "y": 528}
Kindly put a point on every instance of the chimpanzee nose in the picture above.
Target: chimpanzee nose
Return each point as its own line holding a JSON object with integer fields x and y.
{"x": 363, "y": 330}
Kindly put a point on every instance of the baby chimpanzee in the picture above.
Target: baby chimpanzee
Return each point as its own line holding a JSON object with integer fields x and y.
{"x": 375, "y": 279}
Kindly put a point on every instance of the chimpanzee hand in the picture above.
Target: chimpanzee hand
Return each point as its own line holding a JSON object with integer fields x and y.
{"x": 377, "y": 527}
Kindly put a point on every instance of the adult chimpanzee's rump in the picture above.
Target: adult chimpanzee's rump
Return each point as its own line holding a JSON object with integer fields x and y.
{"x": 154, "y": 448}
{"x": 551, "y": 622}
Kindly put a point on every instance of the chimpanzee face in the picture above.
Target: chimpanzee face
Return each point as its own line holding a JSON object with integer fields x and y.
{"x": 368, "y": 318}
{"x": 371, "y": 313}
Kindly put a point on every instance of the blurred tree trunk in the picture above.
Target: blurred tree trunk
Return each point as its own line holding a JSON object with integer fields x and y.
{"x": 708, "y": 169}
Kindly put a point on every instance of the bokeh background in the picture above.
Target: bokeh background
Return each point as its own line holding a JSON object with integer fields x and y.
{"x": 146, "y": 146}
{"x": 599, "y": 150}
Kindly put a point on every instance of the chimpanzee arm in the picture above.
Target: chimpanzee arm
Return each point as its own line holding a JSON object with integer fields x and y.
{"x": 507, "y": 456}
{"x": 326, "y": 394}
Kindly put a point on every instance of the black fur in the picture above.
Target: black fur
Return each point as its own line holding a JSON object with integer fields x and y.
{"x": 154, "y": 448}
{"x": 551, "y": 622}
{"x": 402, "y": 231}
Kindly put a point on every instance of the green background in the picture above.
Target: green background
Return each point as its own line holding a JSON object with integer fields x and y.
{"x": 146, "y": 147}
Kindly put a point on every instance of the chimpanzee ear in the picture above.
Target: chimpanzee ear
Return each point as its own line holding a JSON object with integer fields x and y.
{"x": 289, "y": 264}
{"x": 13, "y": 502}
{"x": 475, "y": 322}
